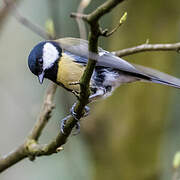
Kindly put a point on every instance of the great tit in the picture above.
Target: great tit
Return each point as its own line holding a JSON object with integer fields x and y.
{"x": 63, "y": 61}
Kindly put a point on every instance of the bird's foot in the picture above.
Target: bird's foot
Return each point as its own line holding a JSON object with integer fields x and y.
{"x": 74, "y": 115}
{"x": 76, "y": 94}
{"x": 86, "y": 109}
{"x": 63, "y": 124}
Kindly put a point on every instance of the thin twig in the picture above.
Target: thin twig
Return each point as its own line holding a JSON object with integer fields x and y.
{"x": 79, "y": 15}
{"x": 95, "y": 30}
{"x": 10, "y": 5}
{"x": 33, "y": 27}
{"x": 12, "y": 158}
{"x": 148, "y": 47}
{"x": 121, "y": 21}
{"x": 5, "y": 9}
{"x": 103, "y": 9}
{"x": 21, "y": 152}
{"x": 81, "y": 25}
{"x": 45, "y": 113}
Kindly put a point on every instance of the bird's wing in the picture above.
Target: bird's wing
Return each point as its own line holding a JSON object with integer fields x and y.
{"x": 76, "y": 47}
{"x": 79, "y": 47}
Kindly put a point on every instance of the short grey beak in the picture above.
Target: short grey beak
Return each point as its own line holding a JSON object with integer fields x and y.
{"x": 41, "y": 77}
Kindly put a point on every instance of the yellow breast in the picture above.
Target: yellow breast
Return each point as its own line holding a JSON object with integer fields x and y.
{"x": 69, "y": 72}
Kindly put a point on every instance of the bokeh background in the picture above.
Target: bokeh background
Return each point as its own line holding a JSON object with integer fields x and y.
{"x": 133, "y": 134}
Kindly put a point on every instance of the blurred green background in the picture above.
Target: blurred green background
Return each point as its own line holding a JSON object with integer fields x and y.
{"x": 133, "y": 134}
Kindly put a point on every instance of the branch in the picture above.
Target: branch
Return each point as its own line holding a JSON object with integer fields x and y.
{"x": 26, "y": 150}
{"x": 10, "y": 5}
{"x": 38, "y": 150}
{"x": 82, "y": 28}
{"x": 21, "y": 152}
{"x": 105, "y": 32}
{"x": 95, "y": 32}
{"x": 33, "y": 27}
{"x": 45, "y": 113}
{"x": 30, "y": 148}
{"x": 4, "y": 11}
{"x": 103, "y": 9}
{"x": 148, "y": 47}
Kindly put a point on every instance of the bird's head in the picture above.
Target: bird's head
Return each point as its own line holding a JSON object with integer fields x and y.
{"x": 43, "y": 58}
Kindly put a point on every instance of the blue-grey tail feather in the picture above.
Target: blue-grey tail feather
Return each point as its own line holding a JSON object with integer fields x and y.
{"x": 159, "y": 77}
{"x": 166, "y": 83}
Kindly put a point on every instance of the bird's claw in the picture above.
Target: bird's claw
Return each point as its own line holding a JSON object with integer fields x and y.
{"x": 63, "y": 123}
{"x": 74, "y": 83}
{"x": 74, "y": 115}
{"x": 87, "y": 109}
{"x": 76, "y": 94}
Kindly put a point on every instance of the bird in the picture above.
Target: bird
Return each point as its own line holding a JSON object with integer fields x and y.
{"x": 64, "y": 60}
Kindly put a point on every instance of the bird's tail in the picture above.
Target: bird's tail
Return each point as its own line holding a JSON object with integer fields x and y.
{"x": 159, "y": 77}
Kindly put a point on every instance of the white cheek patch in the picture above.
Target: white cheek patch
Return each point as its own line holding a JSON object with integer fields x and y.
{"x": 50, "y": 55}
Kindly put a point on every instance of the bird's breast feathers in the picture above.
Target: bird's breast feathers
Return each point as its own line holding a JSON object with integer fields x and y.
{"x": 69, "y": 72}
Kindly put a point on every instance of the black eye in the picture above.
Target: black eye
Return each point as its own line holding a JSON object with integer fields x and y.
{"x": 40, "y": 61}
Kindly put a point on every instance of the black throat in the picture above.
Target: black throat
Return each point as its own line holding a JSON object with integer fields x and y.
{"x": 51, "y": 73}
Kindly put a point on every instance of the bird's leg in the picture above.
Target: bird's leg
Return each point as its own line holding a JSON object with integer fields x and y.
{"x": 76, "y": 94}
{"x": 74, "y": 114}
{"x": 63, "y": 123}
{"x": 99, "y": 93}
{"x": 87, "y": 109}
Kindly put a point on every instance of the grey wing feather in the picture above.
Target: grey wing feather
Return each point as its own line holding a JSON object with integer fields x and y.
{"x": 75, "y": 46}
{"x": 79, "y": 47}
